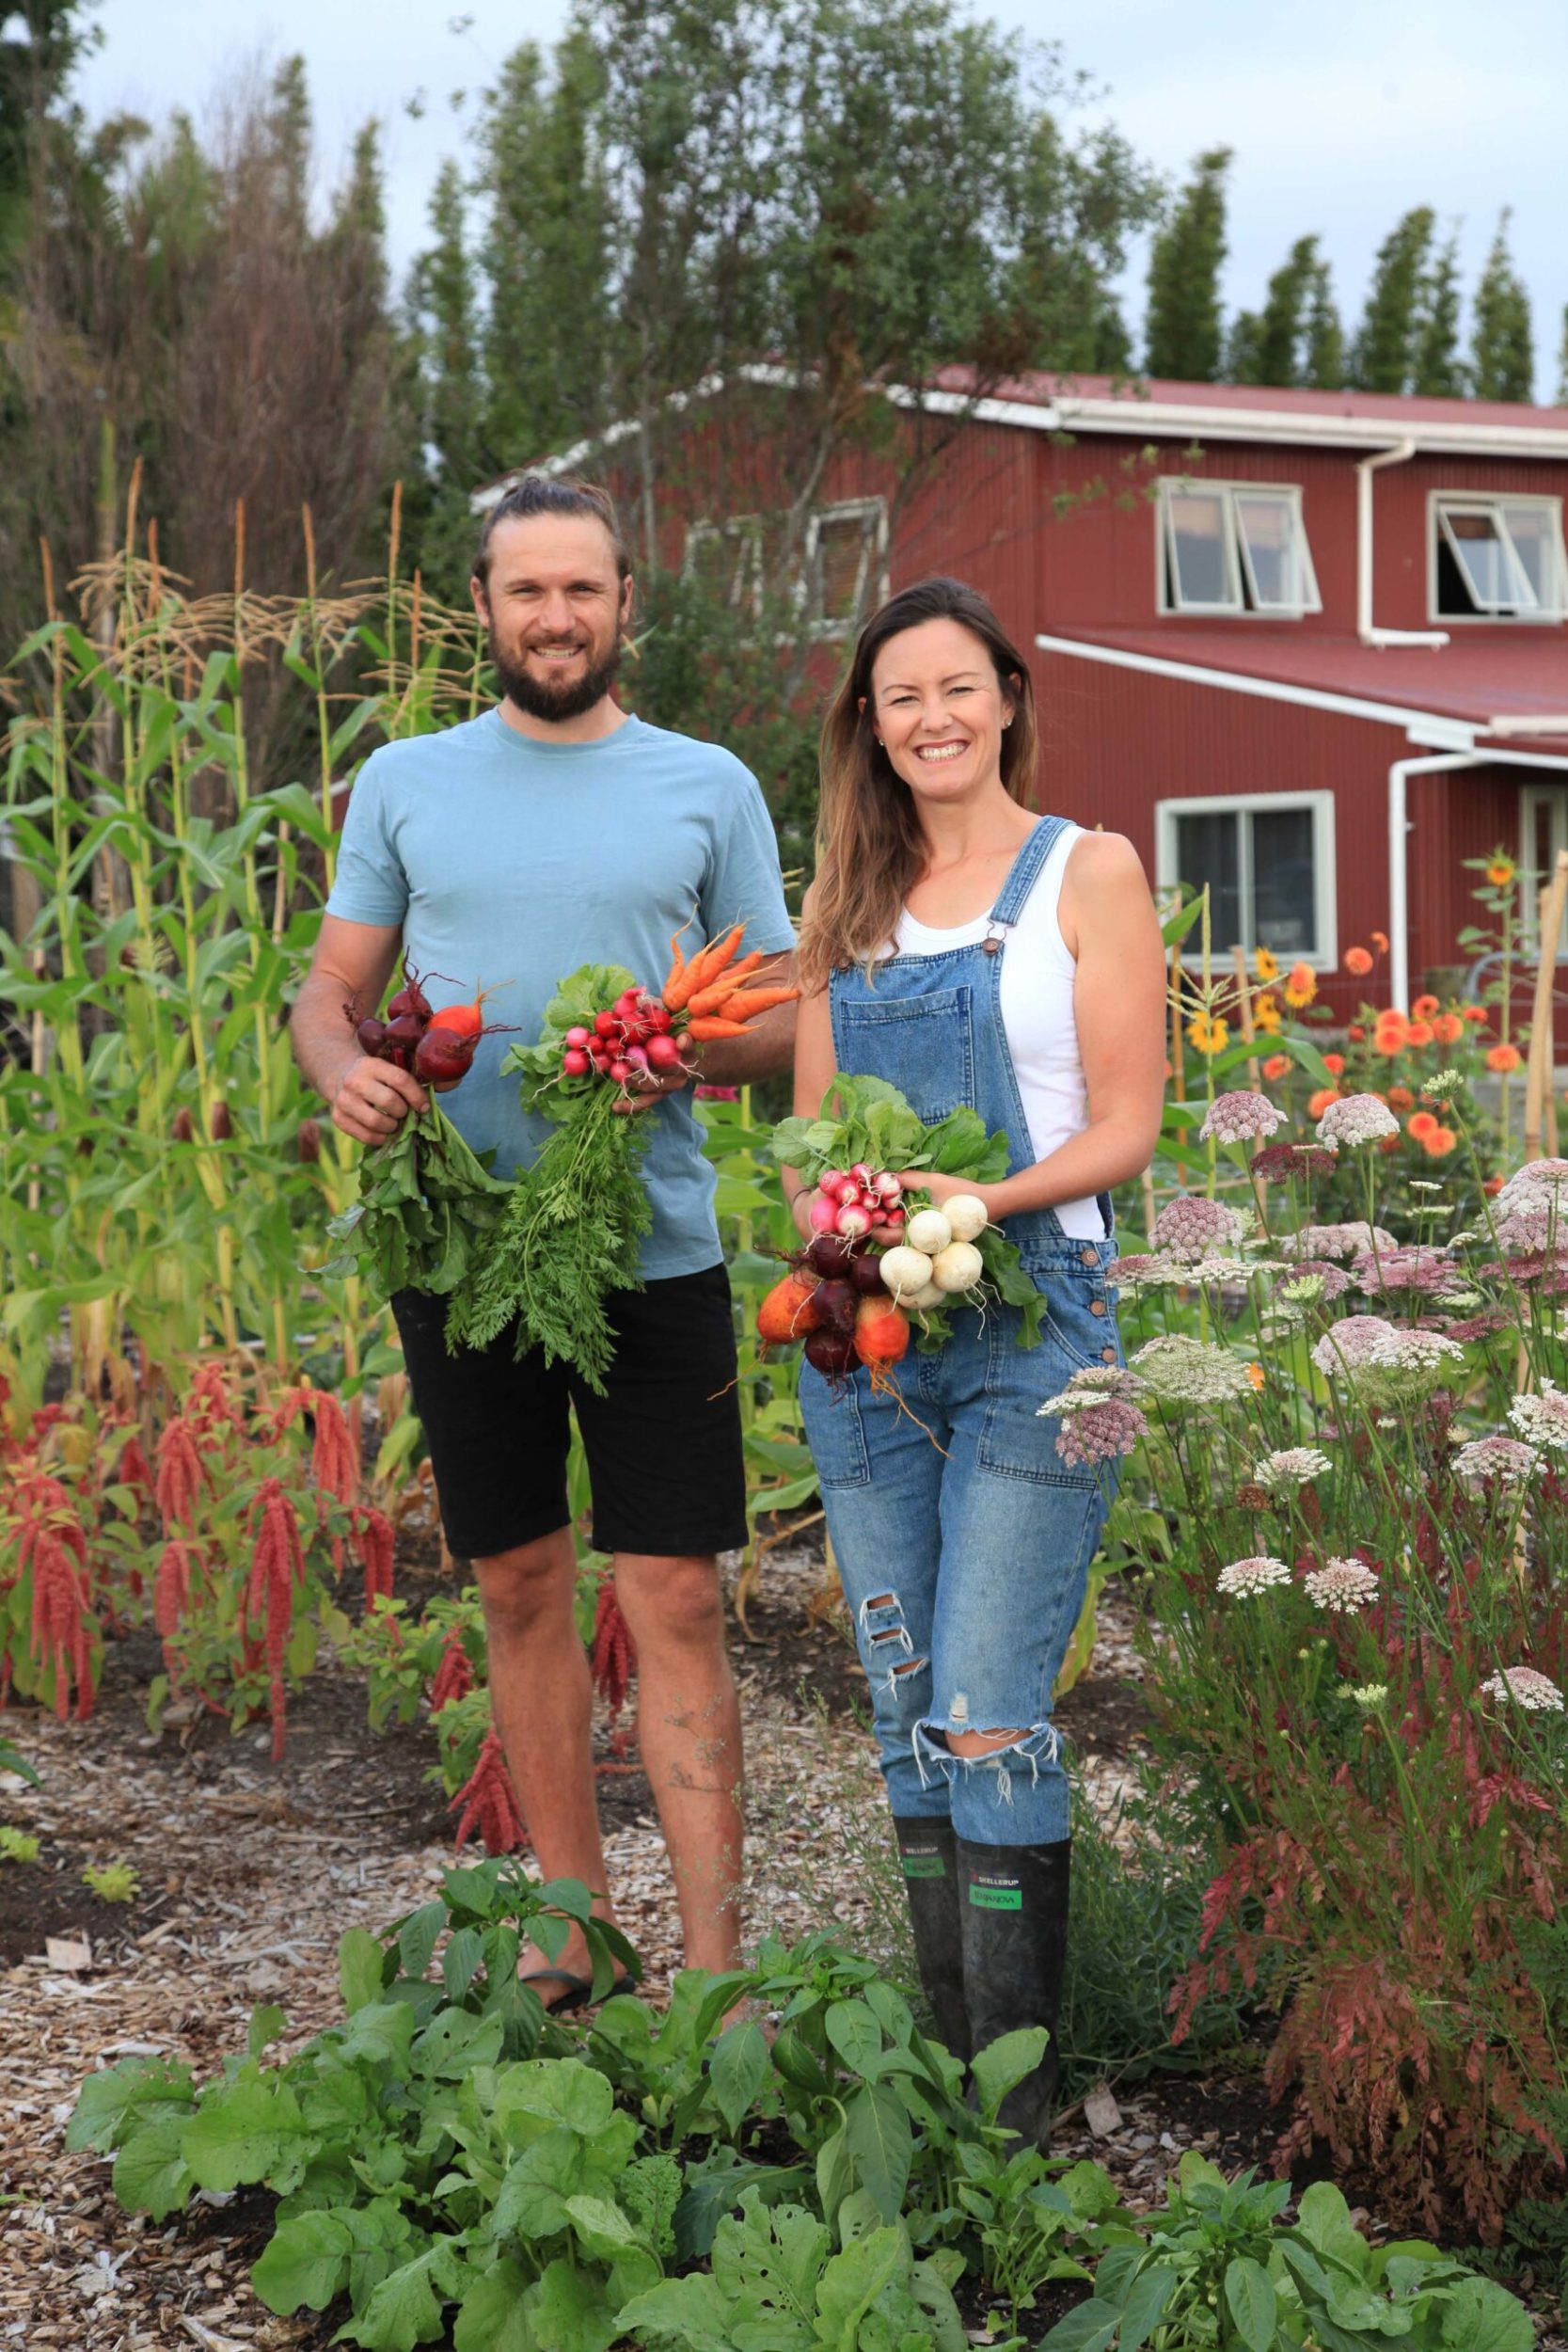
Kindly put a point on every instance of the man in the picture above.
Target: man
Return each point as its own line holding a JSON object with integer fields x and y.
{"x": 556, "y": 830}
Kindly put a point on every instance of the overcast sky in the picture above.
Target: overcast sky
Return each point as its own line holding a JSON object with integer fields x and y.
{"x": 1342, "y": 114}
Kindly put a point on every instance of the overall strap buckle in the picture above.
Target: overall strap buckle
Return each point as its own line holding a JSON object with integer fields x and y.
{"x": 996, "y": 934}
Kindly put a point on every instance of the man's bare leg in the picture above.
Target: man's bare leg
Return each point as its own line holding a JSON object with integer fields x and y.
{"x": 542, "y": 1698}
{"x": 689, "y": 1728}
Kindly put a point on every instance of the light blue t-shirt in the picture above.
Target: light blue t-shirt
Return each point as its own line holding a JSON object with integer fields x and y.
{"x": 507, "y": 863}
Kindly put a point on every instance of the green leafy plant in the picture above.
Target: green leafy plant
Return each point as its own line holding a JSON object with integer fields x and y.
{"x": 17, "y": 1844}
{"x": 112, "y": 1882}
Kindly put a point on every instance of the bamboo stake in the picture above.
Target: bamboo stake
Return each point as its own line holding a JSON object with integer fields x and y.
{"x": 1243, "y": 1011}
{"x": 1538, "y": 1069}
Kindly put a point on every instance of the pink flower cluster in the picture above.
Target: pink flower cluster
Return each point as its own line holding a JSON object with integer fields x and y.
{"x": 1101, "y": 1433}
{"x": 1343, "y": 1586}
{"x": 1191, "y": 1226}
{"x": 1240, "y": 1117}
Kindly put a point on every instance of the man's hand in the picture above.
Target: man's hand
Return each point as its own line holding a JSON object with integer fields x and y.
{"x": 652, "y": 1087}
{"x": 374, "y": 1099}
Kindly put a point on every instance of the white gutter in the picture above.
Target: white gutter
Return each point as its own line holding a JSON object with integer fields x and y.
{"x": 1545, "y": 722}
{"x": 1421, "y": 726}
{"x": 1398, "y": 863}
{"x": 1364, "y": 628}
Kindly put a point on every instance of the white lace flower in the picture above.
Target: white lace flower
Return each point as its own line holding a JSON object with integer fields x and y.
{"x": 1543, "y": 1420}
{"x": 1337, "y": 1241}
{"x": 1181, "y": 1370}
{"x": 1343, "y": 1586}
{"x": 1367, "y": 1694}
{"x": 1538, "y": 1184}
{"x": 1092, "y": 1386}
{"x": 1244, "y": 1578}
{"x": 1354, "y": 1120}
{"x": 1293, "y": 1466}
{"x": 1238, "y": 1118}
{"x": 1443, "y": 1086}
{"x": 1537, "y": 1691}
{"x": 1192, "y": 1227}
{"x": 1502, "y": 1459}
{"x": 1143, "y": 1270}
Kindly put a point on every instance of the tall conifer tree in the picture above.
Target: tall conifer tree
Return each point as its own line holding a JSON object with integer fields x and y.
{"x": 1185, "y": 326}
{"x": 1385, "y": 354}
{"x": 1502, "y": 348}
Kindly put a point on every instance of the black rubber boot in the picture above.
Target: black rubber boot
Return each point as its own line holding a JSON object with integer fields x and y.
{"x": 928, "y": 1858}
{"x": 1015, "y": 1915}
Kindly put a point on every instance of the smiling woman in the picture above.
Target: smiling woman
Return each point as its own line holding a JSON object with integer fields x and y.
{"x": 974, "y": 954}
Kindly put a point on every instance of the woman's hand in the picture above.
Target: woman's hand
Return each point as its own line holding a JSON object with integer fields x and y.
{"x": 947, "y": 1188}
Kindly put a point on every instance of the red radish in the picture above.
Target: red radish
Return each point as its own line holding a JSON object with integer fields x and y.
{"x": 575, "y": 1064}
{"x": 788, "y": 1312}
{"x": 881, "y": 1337}
{"x": 879, "y": 1217}
{"x": 830, "y": 1179}
{"x": 824, "y": 1215}
{"x": 606, "y": 1025}
{"x": 852, "y": 1223}
{"x": 896, "y": 1220}
{"x": 577, "y": 1039}
{"x": 658, "y": 1020}
{"x": 664, "y": 1052}
{"x": 889, "y": 1186}
{"x": 619, "y": 1071}
{"x": 849, "y": 1192}
{"x": 862, "y": 1175}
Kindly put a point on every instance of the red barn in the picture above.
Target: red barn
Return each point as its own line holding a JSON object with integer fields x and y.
{"x": 1310, "y": 648}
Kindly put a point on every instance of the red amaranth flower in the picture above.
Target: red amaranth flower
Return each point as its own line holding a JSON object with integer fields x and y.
{"x": 614, "y": 1662}
{"x": 278, "y": 1564}
{"x": 60, "y": 1636}
{"x": 133, "y": 1471}
{"x": 181, "y": 1474}
{"x": 372, "y": 1533}
{"x": 489, "y": 1803}
{"x": 210, "y": 1405}
{"x": 454, "y": 1675}
{"x": 178, "y": 1564}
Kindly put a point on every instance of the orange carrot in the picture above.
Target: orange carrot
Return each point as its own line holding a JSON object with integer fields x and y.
{"x": 710, "y": 1026}
{"x": 677, "y": 973}
{"x": 712, "y": 993}
{"x": 747, "y": 1002}
{"x": 714, "y": 958}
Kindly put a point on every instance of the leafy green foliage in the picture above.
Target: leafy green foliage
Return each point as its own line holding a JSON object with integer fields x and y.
{"x": 450, "y": 2157}
{"x": 426, "y": 1201}
{"x": 571, "y": 1233}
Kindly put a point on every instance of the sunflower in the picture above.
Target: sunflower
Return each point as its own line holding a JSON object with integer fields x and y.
{"x": 1265, "y": 1014}
{"x": 1500, "y": 872}
{"x": 1265, "y": 964}
{"x": 1301, "y": 986}
{"x": 1207, "y": 1032}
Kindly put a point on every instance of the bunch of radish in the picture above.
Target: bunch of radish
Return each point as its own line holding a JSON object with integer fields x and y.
{"x": 936, "y": 1260}
{"x": 438, "y": 1048}
{"x": 629, "y": 1044}
{"x": 858, "y": 1203}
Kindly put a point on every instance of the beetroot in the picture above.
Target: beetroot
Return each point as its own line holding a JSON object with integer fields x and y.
{"x": 832, "y": 1353}
{"x": 441, "y": 1056}
{"x": 836, "y": 1302}
{"x": 372, "y": 1034}
{"x": 405, "y": 1030}
{"x": 829, "y": 1253}
{"x": 865, "y": 1273}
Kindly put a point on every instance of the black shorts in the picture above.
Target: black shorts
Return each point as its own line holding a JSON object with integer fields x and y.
{"x": 663, "y": 1446}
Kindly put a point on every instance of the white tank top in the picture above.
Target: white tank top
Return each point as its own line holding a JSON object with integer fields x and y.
{"x": 1037, "y": 1018}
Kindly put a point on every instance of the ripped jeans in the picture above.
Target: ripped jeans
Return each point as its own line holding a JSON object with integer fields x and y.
{"x": 965, "y": 1568}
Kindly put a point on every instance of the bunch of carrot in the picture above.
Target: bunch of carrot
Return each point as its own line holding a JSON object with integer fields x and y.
{"x": 641, "y": 1037}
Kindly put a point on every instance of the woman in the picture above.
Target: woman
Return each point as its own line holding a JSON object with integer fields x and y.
{"x": 971, "y": 952}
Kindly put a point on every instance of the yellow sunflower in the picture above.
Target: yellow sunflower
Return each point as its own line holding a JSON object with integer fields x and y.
{"x": 1301, "y": 986}
{"x": 1266, "y": 1015}
{"x": 1266, "y": 963}
{"x": 1501, "y": 872}
{"x": 1207, "y": 1032}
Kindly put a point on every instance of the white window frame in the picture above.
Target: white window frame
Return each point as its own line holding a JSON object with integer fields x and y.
{"x": 1238, "y": 557}
{"x": 1531, "y": 799}
{"x": 1324, "y": 954}
{"x": 871, "y": 582}
{"x": 1495, "y": 504}
{"x": 746, "y": 582}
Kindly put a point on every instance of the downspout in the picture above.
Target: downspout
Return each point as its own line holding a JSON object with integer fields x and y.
{"x": 1399, "y": 863}
{"x": 1369, "y": 635}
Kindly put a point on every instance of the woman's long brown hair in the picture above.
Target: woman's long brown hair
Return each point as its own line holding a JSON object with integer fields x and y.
{"x": 869, "y": 847}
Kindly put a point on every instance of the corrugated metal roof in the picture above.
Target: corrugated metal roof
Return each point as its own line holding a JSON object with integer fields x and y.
{"x": 1388, "y": 411}
{"x": 1490, "y": 685}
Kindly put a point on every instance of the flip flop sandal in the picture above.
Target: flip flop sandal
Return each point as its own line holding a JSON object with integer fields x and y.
{"x": 578, "y": 1992}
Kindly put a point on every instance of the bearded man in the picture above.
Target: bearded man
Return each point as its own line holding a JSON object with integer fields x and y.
{"x": 553, "y": 830}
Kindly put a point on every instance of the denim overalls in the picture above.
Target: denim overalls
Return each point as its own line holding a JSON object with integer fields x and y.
{"x": 965, "y": 1568}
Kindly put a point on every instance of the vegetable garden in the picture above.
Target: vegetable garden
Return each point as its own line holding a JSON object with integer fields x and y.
{"x": 1343, "y": 1433}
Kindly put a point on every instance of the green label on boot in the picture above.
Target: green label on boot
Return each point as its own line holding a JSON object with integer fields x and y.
{"x": 987, "y": 1897}
{"x": 923, "y": 1862}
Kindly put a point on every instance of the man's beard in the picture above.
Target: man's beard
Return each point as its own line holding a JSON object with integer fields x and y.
{"x": 551, "y": 703}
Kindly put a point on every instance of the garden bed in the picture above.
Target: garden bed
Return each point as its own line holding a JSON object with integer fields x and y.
{"x": 249, "y": 1872}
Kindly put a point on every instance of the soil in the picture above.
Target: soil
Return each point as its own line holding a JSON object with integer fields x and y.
{"x": 249, "y": 1870}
